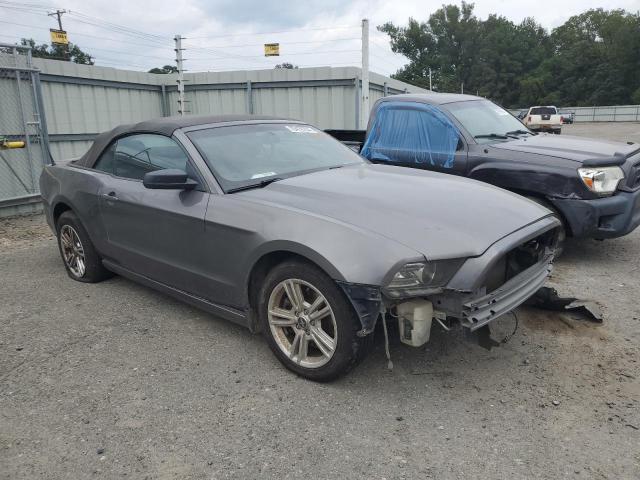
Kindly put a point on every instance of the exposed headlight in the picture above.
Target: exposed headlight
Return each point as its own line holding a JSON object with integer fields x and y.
{"x": 420, "y": 278}
{"x": 601, "y": 180}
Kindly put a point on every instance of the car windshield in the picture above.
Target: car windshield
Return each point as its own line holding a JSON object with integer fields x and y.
{"x": 543, "y": 111}
{"x": 244, "y": 156}
{"x": 486, "y": 121}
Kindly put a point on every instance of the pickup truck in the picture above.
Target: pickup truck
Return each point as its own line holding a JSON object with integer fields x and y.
{"x": 592, "y": 186}
{"x": 543, "y": 119}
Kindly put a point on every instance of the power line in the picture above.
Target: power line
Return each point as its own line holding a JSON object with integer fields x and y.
{"x": 119, "y": 29}
{"x": 58, "y": 14}
{"x": 129, "y": 42}
{"x": 88, "y": 20}
{"x": 83, "y": 18}
{"x": 119, "y": 52}
{"x": 317, "y": 65}
{"x": 288, "y": 54}
{"x": 281, "y": 43}
{"x": 280, "y": 32}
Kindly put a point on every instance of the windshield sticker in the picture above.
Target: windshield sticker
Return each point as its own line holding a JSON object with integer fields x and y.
{"x": 261, "y": 175}
{"x": 300, "y": 129}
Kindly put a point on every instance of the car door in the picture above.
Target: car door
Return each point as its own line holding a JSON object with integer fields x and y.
{"x": 155, "y": 233}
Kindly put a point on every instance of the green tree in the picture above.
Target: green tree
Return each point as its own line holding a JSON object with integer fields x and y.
{"x": 446, "y": 43}
{"x": 596, "y": 59}
{"x": 165, "y": 69}
{"x": 69, "y": 53}
{"x": 593, "y": 59}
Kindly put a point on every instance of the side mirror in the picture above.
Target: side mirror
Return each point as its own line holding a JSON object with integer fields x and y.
{"x": 169, "y": 179}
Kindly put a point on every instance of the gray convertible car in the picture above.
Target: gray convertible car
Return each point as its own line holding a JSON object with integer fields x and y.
{"x": 277, "y": 226}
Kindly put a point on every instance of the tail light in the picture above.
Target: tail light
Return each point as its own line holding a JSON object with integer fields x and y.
{"x": 561, "y": 119}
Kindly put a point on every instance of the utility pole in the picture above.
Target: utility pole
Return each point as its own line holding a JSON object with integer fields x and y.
{"x": 430, "y": 87}
{"x": 180, "y": 81}
{"x": 364, "y": 104}
{"x": 58, "y": 14}
{"x": 462, "y": 87}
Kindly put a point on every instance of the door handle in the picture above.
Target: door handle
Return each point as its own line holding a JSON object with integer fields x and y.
{"x": 110, "y": 196}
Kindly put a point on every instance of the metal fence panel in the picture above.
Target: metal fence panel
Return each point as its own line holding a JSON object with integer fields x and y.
{"x": 81, "y": 101}
{"x": 323, "y": 106}
{"x": 606, "y": 113}
{"x": 20, "y": 120}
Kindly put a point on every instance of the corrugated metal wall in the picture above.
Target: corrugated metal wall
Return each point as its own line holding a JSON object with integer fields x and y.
{"x": 81, "y": 100}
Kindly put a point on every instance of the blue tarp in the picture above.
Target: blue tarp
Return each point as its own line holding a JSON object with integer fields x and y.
{"x": 411, "y": 132}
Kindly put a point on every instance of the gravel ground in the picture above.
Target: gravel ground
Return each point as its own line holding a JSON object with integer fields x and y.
{"x": 114, "y": 380}
{"x": 620, "y": 131}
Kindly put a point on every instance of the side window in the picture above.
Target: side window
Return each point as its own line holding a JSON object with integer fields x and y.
{"x": 105, "y": 162}
{"x": 137, "y": 155}
{"x": 413, "y": 133}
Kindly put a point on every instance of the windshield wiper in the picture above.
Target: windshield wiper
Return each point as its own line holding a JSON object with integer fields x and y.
{"x": 519, "y": 132}
{"x": 251, "y": 186}
{"x": 491, "y": 135}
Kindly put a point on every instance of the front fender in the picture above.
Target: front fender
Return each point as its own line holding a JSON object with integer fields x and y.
{"x": 547, "y": 181}
{"x": 293, "y": 248}
{"x": 344, "y": 252}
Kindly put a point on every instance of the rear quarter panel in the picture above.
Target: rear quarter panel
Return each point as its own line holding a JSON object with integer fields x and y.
{"x": 78, "y": 188}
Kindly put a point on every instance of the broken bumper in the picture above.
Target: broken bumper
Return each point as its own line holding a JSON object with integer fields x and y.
{"x": 608, "y": 217}
{"x": 465, "y": 297}
{"x": 478, "y": 312}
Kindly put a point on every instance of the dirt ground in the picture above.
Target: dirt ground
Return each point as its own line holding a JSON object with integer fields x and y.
{"x": 620, "y": 131}
{"x": 115, "y": 380}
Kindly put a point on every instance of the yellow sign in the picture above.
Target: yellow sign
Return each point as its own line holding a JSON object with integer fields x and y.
{"x": 59, "y": 37}
{"x": 271, "y": 49}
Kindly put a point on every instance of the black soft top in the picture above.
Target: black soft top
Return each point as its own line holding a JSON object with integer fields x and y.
{"x": 162, "y": 126}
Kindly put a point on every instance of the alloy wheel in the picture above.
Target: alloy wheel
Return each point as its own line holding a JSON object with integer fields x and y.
{"x": 72, "y": 250}
{"x": 302, "y": 323}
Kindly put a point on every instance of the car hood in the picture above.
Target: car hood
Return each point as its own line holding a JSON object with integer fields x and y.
{"x": 577, "y": 149}
{"x": 435, "y": 214}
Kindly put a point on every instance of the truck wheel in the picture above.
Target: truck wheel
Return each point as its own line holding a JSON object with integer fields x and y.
{"x": 80, "y": 258}
{"x": 309, "y": 324}
{"x": 557, "y": 131}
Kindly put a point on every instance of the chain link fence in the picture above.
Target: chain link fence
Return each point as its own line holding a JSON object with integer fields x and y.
{"x": 20, "y": 121}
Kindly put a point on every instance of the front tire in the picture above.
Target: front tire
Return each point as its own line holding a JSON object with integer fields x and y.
{"x": 309, "y": 323}
{"x": 81, "y": 260}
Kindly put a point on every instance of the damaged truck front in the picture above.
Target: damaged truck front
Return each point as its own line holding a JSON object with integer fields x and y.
{"x": 592, "y": 186}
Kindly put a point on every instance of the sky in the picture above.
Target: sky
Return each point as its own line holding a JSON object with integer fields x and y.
{"x": 223, "y": 35}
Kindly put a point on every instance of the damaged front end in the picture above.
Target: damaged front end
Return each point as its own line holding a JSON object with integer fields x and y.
{"x": 472, "y": 291}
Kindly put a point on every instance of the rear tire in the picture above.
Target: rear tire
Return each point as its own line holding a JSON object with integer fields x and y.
{"x": 314, "y": 337}
{"x": 80, "y": 258}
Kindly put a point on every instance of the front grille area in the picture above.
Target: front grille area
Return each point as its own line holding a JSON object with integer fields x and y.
{"x": 520, "y": 258}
